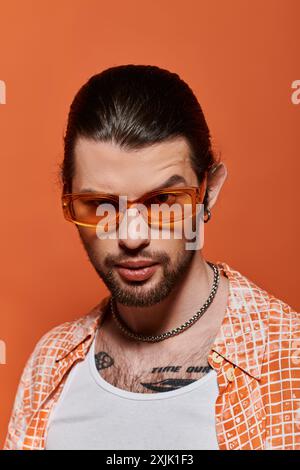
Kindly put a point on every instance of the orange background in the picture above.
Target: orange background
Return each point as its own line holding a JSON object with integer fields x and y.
{"x": 240, "y": 58}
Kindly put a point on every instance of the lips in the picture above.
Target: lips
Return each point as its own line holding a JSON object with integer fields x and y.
{"x": 137, "y": 270}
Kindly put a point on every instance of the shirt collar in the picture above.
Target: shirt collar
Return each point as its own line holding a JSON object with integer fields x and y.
{"x": 241, "y": 339}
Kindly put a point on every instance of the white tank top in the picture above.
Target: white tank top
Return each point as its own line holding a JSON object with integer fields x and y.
{"x": 93, "y": 414}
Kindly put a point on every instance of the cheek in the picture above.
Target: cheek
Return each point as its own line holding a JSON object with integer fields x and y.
{"x": 87, "y": 234}
{"x": 105, "y": 247}
{"x": 170, "y": 237}
{"x": 100, "y": 247}
{"x": 171, "y": 246}
{"x": 91, "y": 236}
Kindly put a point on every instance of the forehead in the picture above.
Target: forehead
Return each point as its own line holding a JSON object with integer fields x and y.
{"x": 104, "y": 166}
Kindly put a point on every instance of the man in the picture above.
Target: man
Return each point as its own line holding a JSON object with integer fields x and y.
{"x": 184, "y": 353}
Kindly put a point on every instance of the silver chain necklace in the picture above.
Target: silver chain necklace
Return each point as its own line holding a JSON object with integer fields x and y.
{"x": 175, "y": 331}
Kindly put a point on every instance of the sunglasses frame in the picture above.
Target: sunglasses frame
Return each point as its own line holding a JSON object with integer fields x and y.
{"x": 195, "y": 192}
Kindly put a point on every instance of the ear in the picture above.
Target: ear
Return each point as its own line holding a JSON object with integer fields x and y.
{"x": 215, "y": 179}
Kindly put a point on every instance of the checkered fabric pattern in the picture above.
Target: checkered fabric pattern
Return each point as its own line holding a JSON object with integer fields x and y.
{"x": 256, "y": 355}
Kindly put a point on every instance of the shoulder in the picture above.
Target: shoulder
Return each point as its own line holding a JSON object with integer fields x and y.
{"x": 259, "y": 308}
{"x": 254, "y": 297}
{"x": 37, "y": 373}
{"x": 284, "y": 334}
{"x": 273, "y": 320}
{"x": 64, "y": 337}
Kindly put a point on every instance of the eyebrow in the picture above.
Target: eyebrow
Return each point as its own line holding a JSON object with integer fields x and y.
{"x": 174, "y": 179}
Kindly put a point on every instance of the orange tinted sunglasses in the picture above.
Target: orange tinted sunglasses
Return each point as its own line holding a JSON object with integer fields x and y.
{"x": 159, "y": 207}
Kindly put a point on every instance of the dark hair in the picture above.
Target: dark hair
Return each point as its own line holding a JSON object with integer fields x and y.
{"x": 135, "y": 106}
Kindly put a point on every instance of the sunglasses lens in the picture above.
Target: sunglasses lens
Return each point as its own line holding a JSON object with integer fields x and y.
{"x": 100, "y": 212}
{"x": 168, "y": 208}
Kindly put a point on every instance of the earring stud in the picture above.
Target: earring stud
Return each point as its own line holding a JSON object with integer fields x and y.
{"x": 208, "y": 215}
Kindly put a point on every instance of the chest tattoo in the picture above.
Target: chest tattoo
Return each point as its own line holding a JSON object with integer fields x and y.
{"x": 158, "y": 379}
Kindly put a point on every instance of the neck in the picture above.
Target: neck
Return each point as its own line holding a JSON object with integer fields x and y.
{"x": 178, "y": 307}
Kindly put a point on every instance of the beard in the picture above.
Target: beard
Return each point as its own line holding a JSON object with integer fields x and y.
{"x": 137, "y": 293}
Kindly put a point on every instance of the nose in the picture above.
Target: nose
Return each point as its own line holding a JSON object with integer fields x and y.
{"x": 134, "y": 231}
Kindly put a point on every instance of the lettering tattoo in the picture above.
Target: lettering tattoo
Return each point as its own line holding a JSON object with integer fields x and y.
{"x": 189, "y": 369}
{"x": 173, "y": 383}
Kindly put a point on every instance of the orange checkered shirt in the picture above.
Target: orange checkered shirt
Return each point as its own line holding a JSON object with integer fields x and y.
{"x": 256, "y": 355}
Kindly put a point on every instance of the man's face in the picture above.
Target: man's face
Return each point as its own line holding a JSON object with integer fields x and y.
{"x": 104, "y": 167}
